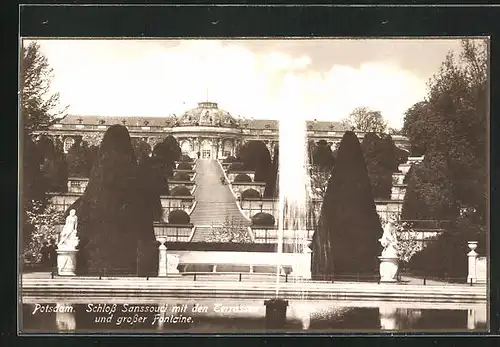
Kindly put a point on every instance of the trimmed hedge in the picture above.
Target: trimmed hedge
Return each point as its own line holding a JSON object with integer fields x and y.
{"x": 236, "y": 166}
{"x": 187, "y": 158}
{"x": 250, "y": 193}
{"x": 181, "y": 176}
{"x": 242, "y": 178}
{"x": 180, "y": 191}
{"x": 184, "y": 166}
{"x": 178, "y": 217}
{"x": 263, "y": 219}
{"x": 229, "y": 159}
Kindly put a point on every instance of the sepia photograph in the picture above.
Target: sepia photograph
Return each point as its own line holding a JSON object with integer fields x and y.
{"x": 292, "y": 185}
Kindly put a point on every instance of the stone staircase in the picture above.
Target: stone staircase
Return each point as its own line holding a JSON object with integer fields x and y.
{"x": 215, "y": 203}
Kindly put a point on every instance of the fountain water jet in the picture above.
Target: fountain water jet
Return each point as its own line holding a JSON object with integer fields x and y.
{"x": 294, "y": 187}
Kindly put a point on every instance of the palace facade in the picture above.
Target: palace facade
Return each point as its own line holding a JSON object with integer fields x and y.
{"x": 207, "y": 129}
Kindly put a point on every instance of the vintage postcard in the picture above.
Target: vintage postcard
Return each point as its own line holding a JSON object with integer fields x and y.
{"x": 254, "y": 185}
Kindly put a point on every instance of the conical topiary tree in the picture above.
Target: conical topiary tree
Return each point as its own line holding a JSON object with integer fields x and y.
{"x": 115, "y": 218}
{"x": 346, "y": 241}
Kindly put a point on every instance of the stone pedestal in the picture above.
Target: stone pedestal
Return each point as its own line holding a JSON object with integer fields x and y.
{"x": 388, "y": 269}
{"x": 66, "y": 262}
{"x": 472, "y": 260}
{"x": 162, "y": 257}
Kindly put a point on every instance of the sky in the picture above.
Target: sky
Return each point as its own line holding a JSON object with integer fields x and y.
{"x": 322, "y": 79}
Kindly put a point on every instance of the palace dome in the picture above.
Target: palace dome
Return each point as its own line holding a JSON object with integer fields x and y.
{"x": 208, "y": 114}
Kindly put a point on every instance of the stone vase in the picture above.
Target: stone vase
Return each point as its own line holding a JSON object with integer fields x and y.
{"x": 66, "y": 262}
{"x": 389, "y": 269}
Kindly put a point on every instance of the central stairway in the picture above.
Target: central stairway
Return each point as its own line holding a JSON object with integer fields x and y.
{"x": 214, "y": 201}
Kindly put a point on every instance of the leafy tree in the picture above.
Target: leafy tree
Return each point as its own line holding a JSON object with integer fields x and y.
{"x": 115, "y": 218}
{"x": 380, "y": 157}
{"x": 366, "y": 120}
{"x": 346, "y": 239}
{"x": 322, "y": 157}
{"x": 319, "y": 181}
{"x": 429, "y": 193}
{"x": 255, "y": 156}
{"x": 38, "y": 110}
{"x": 77, "y": 159}
{"x": 54, "y": 168}
{"x": 44, "y": 221}
{"x": 39, "y": 106}
{"x": 165, "y": 153}
{"x": 451, "y": 123}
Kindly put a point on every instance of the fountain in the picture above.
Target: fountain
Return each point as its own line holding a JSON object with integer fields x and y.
{"x": 294, "y": 188}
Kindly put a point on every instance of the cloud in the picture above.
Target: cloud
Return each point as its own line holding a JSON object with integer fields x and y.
{"x": 157, "y": 78}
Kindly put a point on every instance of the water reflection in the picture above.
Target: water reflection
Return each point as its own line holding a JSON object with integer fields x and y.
{"x": 249, "y": 316}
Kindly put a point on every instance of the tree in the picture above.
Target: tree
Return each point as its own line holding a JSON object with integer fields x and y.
{"x": 451, "y": 122}
{"x": 115, "y": 218}
{"x": 366, "y": 120}
{"x": 429, "y": 192}
{"x": 380, "y": 157}
{"x": 164, "y": 155}
{"x": 39, "y": 106}
{"x": 349, "y": 227}
{"x": 322, "y": 157}
{"x": 76, "y": 158}
{"x": 255, "y": 156}
{"x": 319, "y": 181}
{"x": 38, "y": 110}
{"x": 53, "y": 165}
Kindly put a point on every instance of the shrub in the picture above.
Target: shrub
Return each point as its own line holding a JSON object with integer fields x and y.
{"x": 184, "y": 166}
{"x": 242, "y": 178}
{"x": 187, "y": 158}
{"x": 250, "y": 194}
{"x": 178, "y": 217}
{"x": 180, "y": 191}
{"x": 236, "y": 166}
{"x": 263, "y": 219}
{"x": 44, "y": 221}
{"x": 229, "y": 159}
{"x": 181, "y": 176}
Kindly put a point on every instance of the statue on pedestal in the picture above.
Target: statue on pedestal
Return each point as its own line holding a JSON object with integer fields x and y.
{"x": 68, "y": 238}
{"x": 66, "y": 248}
{"x": 389, "y": 240}
{"x": 389, "y": 259}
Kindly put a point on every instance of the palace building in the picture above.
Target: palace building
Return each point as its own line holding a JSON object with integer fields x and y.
{"x": 207, "y": 129}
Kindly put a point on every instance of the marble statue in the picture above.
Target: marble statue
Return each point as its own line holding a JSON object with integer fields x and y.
{"x": 68, "y": 238}
{"x": 388, "y": 240}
